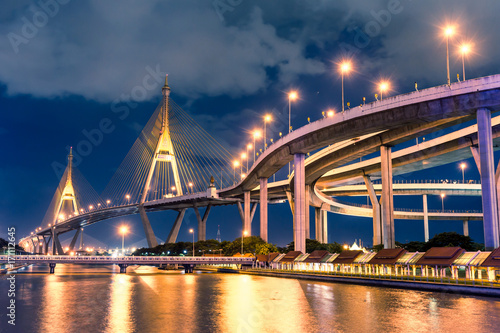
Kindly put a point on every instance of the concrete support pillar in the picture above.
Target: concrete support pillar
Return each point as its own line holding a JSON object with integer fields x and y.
{"x": 466, "y": 227}
{"x": 75, "y": 237}
{"x": 56, "y": 245}
{"x": 81, "y": 239}
{"x": 33, "y": 246}
{"x": 387, "y": 198}
{"x": 148, "y": 230}
{"x": 321, "y": 225}
{"x": 174, "y": 232}
{"x": 426, "y": 219}
{"x": 47, "y": 242}
{"x": 247, "y": 223}
{"x": 308, "y": 222}
{"x": 317, "y": 224}
{"x": 377, "y": 226}
{"x": 263, "y": 209}
{"x": 291, "y": 202}
{"x": 324, "y": 225}
{"x": 488, "y": 185}
{"x": 300, "y": 204}
{"x": 202, "y": 223}
{"x": 41, "y": 243}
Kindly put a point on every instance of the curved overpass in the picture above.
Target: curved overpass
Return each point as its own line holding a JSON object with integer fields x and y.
{"x": 388, "y": 122}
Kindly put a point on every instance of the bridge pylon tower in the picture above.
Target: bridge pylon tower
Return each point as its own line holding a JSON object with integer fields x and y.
{"x": 164, "y": 153}
{"x": 67, "y": 195}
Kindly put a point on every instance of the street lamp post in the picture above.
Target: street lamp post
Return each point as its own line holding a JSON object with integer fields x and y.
{"x": 249, "y": 146}
{"x": 345, "y": 66}
{"x": 462, "y": 166}
{"x": 192, "y": 232}
{"x": 464, "y": 50}
{"x": 292, "y": 96}
{"x": 123, "y": 231}
{"x": 267, "y": 118}
{"x": 442, "y": 202}
{"x": 256, "y": 134}
{"x": 448, "y": 31}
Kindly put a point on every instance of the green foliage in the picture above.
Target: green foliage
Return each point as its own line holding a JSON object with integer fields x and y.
{"x": 444, "y": 239}
{"x": 450, "y": 239}
{"x": 266, "y": 248}
{"x": 312, "y": 244}
{"x": 251, "y": 244}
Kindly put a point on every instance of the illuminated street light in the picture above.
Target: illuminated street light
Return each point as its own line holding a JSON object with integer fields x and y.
{"x": 330, "y": 113}
{"x": 123, "y": 231}
{"x": 192, "y": 232}
{"x": 292, "y": 96}
{"x": 191, "y": 186}
{"x": 127, "y": 196}
{"x": 108, "y": 202}
{"x": 173, "y": 189}
{"x": 345, "y": 67}
{"x": 383, "y": 87}
{"x": 242, "y": 237}
{"x": 448, "y": 32}
{"x": 442, "y": 202}
{"x": 463, "y": 166}
{"x": 464, "y": 50}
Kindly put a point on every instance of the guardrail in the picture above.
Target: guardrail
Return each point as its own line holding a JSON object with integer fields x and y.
{"x": 124, "y": 260}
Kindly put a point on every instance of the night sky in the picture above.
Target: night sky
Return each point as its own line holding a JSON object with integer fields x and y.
{"x": 65, "y": 67}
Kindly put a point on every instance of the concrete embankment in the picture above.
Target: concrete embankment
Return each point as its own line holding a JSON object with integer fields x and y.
{"x": 413, "y": 285}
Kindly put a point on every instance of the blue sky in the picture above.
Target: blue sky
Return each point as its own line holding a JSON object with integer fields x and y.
{"x": 67, "y": 65}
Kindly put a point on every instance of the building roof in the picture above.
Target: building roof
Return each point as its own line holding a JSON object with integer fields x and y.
{"x": 332, "y": 257}
{"x": 276, "y": 258}
{"x": 263, "y": 257}
{"x": 493, "y": 259}
{"x": 407, "y": 258}
{"x": 387, "y": 256}
{"x": 301, "y": 257}
{"x": 440, "y": 256}
{"x": 273, "y": 256}
{"x": 347, "y": 257}
{"x": 364, "y": 258}
{"x": 317, "y": 256}
{"x": 290, "y": 256}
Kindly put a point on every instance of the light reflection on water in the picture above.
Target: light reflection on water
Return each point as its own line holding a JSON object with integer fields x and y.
{"x": 94, "y": 299}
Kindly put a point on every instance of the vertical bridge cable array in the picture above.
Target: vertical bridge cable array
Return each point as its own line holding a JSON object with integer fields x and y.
{"x": 86, "y": 197}
{"x": 197, "y": 154}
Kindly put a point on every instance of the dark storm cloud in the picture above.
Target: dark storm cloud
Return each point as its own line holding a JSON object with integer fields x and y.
{"x": 99, "y": 49}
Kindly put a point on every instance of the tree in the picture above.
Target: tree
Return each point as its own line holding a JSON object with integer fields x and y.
{"x": 266, "y": 248}
{"x": 445, "y": 239}
{"x": 312, "y": 244}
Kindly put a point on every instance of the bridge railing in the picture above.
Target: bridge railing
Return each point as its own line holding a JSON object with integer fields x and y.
{"x": 123, "y": 259}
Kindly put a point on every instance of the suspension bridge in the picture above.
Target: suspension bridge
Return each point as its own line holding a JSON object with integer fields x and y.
{"x": 176, "y": 165}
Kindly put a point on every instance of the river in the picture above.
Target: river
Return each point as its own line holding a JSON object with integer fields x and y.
{"x": 97, "y": 299}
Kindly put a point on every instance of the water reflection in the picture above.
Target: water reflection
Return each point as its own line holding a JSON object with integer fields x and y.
{"x": 91, "y": 299}
{"x": 120, "y": 303}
